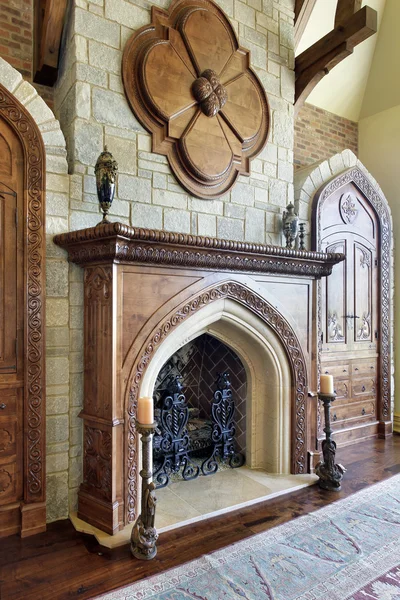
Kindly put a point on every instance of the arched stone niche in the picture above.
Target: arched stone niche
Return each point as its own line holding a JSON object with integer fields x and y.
{"x": 268, "y": 404}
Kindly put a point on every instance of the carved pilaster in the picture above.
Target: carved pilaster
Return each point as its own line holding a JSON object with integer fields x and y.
{"x": 100, "y": 493}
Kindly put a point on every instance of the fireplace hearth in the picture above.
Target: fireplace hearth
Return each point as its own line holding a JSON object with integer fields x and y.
{"x": 147, "y": 294}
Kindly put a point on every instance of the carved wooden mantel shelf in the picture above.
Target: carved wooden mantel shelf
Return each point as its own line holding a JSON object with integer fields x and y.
{"x": 117, "y": 242}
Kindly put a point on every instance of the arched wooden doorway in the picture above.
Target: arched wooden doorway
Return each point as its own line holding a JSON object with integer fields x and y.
{"x": 354, "y": 305}
{"x": 22, "y": 373}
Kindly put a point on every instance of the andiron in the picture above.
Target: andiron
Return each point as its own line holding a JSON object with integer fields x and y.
{"x": 144, "y": 534}
{"x": 330, "y": 474}
{"x": 223, "y": 433}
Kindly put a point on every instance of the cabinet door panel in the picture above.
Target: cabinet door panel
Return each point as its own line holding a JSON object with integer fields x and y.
{"x": 363, "y": 261}
{"x": 350, "y": 306}
{"x": 8, "y": 278}
{"x": 336, "y": 301}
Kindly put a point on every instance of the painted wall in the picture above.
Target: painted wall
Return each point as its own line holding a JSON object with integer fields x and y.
{"x": 379, "y": 150}
{"x": 383, "y": 88}
{"x": 379, "y": 135}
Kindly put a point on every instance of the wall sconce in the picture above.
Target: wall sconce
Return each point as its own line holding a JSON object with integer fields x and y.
{"x": 290, "y": 225}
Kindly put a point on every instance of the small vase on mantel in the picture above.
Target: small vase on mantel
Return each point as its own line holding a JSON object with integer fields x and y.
{"x": 106, "y": 175}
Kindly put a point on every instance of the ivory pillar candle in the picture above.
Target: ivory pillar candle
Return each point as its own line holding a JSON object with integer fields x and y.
{"x": 326, "y": 384}
{"x": 145, "y": 412}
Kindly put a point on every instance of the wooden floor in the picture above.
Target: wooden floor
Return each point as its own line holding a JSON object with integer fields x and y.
{"x": 64, "y": 564}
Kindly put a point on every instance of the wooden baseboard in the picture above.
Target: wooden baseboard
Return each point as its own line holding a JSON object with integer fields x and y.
{"x": 396, "y": 423}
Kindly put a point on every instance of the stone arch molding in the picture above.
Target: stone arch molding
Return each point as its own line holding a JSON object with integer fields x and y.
{"x": 281, "y": 343}
{"x": 312, "y": 186}
{"x": 309, "y": 180}
{"x": 41, "y": 139}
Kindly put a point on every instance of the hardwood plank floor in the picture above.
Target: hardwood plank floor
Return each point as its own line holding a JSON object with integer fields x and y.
{"x": 63, "y": 564}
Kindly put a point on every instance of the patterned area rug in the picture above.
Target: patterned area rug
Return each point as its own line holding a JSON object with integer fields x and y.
{"x": 349, "y": 550}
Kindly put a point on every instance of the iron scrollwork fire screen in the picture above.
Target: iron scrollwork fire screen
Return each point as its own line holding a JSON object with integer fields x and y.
{"x": 190, "y": 84}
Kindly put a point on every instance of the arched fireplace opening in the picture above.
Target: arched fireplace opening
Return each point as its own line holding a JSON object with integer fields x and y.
{"x": 200, "y": 407}
{"x": 227, "y": 335}
{"x": 269, "y": 391}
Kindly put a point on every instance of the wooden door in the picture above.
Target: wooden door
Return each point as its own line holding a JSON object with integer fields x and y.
{"x": 350, "y": 313}
{"x": 11, "y": 324}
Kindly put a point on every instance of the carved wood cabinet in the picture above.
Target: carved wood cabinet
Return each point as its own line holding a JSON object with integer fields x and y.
{"x": 355, "y": 322}
{"x": 140, "y": 286}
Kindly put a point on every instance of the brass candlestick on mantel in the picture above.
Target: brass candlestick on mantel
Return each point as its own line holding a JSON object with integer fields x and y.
{"x": 330, "y": 475}
{"x": 106, "y": 174}
{"x": 144, "y": 534}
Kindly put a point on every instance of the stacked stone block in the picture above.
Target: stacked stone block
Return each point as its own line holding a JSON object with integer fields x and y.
{"x": 93, "y": 111}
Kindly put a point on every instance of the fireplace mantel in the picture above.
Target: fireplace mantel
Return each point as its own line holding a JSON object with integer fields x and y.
{"x": 146, "y": 290}
{"x": 117, "y": 242}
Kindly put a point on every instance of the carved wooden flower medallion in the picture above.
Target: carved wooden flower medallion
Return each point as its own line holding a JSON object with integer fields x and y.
{"x": 190, "y": 84}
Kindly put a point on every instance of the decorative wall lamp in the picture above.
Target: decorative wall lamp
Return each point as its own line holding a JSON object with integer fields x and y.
{"x": 106, "y": 174}
{"x": 290, "y": 225}
{"x": 191, "y": 86}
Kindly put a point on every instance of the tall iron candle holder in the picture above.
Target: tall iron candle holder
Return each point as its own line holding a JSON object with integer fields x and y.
{"x": 144, "y": 534}
{"x": 330, "y": 475}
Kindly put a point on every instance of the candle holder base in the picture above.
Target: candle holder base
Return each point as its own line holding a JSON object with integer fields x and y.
{"x": 144, "y": 534}
{"x": 143, "y": 541}
{"x": 330, "y": 474}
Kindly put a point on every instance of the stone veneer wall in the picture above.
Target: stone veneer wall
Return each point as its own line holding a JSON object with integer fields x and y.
{"x": 93, "y": 111}
{"x": 60, "y": 437}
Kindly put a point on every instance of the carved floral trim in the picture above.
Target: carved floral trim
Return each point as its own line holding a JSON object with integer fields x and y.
{"x": 269, "y": 315}
{"x": 97, "y": 466}
{"x": 124, "y": 243}
{"x": 190, "y": 84}
{"x": 22, "y": 123}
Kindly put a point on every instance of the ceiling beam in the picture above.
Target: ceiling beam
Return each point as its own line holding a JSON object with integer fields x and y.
{"x": 49, "y": 23}
{"x": 302, "y": 13}
{"x": 315, "y": 62}
{"x": 346, "y": 9}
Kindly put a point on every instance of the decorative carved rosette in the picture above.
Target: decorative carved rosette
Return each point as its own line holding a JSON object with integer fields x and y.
{"x": 190, "y": 84}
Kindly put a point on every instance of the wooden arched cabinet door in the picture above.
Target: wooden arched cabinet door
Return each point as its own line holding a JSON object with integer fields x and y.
{"x": 22, "y": 401}
{"x": 350, "y": 313}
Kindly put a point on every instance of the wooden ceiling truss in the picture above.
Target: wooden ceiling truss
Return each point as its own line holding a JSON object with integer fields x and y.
{"x": 353, "y": 25}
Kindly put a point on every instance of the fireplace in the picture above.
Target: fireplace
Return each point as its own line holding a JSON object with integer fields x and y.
{"x": 148, "y": 294}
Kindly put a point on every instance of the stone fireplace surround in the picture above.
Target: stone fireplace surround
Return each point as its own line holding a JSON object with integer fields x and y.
{"x": 149, "y": 292}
